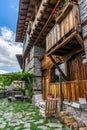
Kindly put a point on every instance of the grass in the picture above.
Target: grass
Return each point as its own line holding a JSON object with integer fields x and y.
{"x": 34, "y": 127}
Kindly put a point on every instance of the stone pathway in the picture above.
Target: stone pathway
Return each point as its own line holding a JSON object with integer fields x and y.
{"x": 24, "y": 116}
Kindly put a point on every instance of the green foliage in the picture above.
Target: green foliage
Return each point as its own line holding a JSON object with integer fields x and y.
{"x": 7, "y": 79}
{"x": 29, "y": 90}
{"x": 63, "y": 6}
{"x": 34, "y": 127}
{"x": 51, "y": 128}
{"x": 45, "y": 121}
{"x": 65, "y": 129}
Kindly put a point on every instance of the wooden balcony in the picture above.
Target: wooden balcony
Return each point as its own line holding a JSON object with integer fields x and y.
{"x": 65, "y": 35}
{"x": 71, "y": 90}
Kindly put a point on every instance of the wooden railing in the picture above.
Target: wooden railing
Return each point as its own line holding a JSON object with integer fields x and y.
{"x": 75, "y": 89}
{"x": 71, "y": 90}
{"x": 64, "y": 27}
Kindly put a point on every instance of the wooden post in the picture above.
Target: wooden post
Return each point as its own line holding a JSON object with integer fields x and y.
{"x": 60, "y": 91}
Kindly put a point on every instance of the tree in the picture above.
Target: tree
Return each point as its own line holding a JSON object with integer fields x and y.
{"x": 7, "y": 79}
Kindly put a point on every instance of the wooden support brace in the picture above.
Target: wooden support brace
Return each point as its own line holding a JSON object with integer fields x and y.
{"x": 59, "y": 69}
{"x": 79, "y": 39}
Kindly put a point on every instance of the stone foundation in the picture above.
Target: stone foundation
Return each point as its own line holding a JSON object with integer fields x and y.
{"x": 77, "y": 113}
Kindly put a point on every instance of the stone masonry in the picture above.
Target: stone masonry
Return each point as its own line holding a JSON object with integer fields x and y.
{"x": 34, "y": 65}
{"x": 78, "y": 113}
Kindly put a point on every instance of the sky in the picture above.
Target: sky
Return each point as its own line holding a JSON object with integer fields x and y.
{"x": 8, "y": 47}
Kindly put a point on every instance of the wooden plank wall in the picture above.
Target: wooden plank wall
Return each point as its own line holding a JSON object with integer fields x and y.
{"x": 76, "y": 69}
{"x": 53, "y": 37}
{"x": 71, "y": 90}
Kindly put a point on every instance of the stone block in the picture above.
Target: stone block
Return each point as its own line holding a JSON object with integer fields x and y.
{"x": 37, "y": 83}
{"x": 84, "y": 128}
{"x": 36, "y": 51}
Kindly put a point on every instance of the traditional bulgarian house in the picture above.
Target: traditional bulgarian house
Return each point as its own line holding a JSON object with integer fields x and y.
{"x": 54, "y": 36}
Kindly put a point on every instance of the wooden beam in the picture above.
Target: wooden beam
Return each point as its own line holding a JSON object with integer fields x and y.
{"x": 22, "y": 14}
{"x": 45, "y": 11}
{"x": 20, "y": 24}
{"x": 58, "y": 68}
{"x": 22, "y": 18}
{"x": 47, "y": 22}
{"x": 48, "y": 5}
{"x": 26, "y": 3}
{"x": 23, "y": 9}
{"x": 41, "y": 20}
{"x": 79, "y": 39}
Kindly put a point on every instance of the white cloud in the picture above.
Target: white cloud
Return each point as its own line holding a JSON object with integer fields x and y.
{"x": 7, "y": 34}
{"x": 8, "y": 50}
{"x": 3, "y": 72}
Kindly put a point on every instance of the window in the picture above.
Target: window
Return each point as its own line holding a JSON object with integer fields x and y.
{"x": 55, "y": 73}
{"x": 84, "y": 59}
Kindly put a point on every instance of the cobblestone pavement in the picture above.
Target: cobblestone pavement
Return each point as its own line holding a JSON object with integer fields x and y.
{"x": 25, "y": 116}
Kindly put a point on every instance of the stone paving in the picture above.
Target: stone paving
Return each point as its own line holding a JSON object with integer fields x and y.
{"x": 24, "y": 116}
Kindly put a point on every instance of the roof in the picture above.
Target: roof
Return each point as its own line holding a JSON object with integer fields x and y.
{"x": 20, "y": 60}
{"x": 25, "y": 12}
{"x": 42, "y": 23}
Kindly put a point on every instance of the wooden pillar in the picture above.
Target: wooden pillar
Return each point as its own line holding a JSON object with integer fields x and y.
{"x": 60, "y": 91}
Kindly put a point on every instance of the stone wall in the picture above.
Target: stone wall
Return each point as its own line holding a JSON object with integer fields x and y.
{"x": 34, "y": 65}
{"x": 83, "y": 17}
{"x": 8, "y": 93}
{"x": 36, "y": 51}
{"x": 85, "y": 46}
{"x": 77, "y": 113}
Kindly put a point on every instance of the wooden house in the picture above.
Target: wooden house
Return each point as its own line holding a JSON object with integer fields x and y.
{"x": 54, "y": 37}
